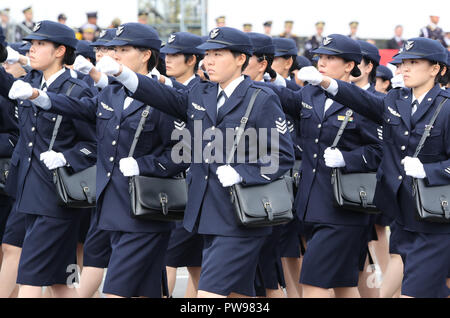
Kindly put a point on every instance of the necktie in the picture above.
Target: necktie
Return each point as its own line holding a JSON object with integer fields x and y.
{"x": 44, "y": 87}
{"x": 221, "y": 100}
{"x": 415, "y": 106}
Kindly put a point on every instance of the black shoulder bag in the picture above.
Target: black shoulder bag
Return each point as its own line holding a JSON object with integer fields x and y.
{"x": 5, "y": 164}
{"x": 156, "y": 199}
{"x": 353, "y": 191}
{"x": 259, "y": 205}
{"x": 432, "y": 202}
{"x": 74, "y": 190}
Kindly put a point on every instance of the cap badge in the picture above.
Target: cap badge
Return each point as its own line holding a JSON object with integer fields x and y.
{"x": 120, "y": 30}
{"x": 214, "y": 33}
{"x": 409, "y": 45}
{"x": 327, "y": 40}
{"x": 37, "y": 27}
{"x": 102, "y": 34}
{"x": 171, "y": 38}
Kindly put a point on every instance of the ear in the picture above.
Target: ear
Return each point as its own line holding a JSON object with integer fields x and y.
{"x": 349, "y": 66}
{"x": 288, "y": 64}
{"x": 147, "y": 54}
{"x": 191, "y": 61}
{"x": 60, "y": 51}
{"x": 241, "y": 59}
{"x": 263, "y": 66}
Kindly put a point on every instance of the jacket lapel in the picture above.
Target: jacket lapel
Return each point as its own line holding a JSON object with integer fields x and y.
{"x": 210, "y": 102}
{"x": 318, "y": 102}
{"x": 134, "y": 106}
{"x": 427, "y": 102}
{"x": 235, "y": 99}
{"x": 404, "y": 107}
{"x": 56, "y": 85}
{"x": 335, "y": 107}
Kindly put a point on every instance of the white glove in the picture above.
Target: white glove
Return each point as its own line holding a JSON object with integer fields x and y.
{"x": 82, "y": 65}
{"x": 279, "y": 81}
{"x": 53, "y": 160}
{"x": 334, "y": 158}
{"x": 311, "y": 75}
{"x": 414, "y": 168}
{"x": 20, "y": 90}
{"x": 13, "y": 56}
{"x": 108, "y": 65}
{"x": 228, "y": 176}
{"x": 398, "y": 81}
{"x": 129, "y": 167}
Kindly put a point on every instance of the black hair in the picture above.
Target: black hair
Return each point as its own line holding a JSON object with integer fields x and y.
{"x": 384, "y": 80}
{"x": 93, "y": 61}
{"x": 294, "y": 65}
{"x": 3, "y": 53}
{"x": 154, "y": 60}
{"x": 441, "y": 79}
{"x": 198, "y": 58}
{"x": 247, "y": 59}
{"x": 269, "y": 58}
{"x": 356, "y": 72}
{"x": 373, "y": 73}
{"x": 69, "y": 56}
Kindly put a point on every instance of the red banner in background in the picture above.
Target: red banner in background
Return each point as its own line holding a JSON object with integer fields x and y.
{"x": 386, "y": 56}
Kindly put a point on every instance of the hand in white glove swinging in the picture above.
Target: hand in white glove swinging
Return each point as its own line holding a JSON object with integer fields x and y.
{"x": 311, "y": 75}
{"x": 334, "y": 158}
{"x": 129, "y": 167}
{"x": 108, "y": 66}
{"x": 414, "y": 168}
{"x": 82, "y": 65}
{"x": 53, "y": 160}
{"x": 13, "y": 56}
{"x": 20, "y": 90}
{"x": 228, "y": 176}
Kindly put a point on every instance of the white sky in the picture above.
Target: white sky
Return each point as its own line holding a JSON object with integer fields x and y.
{"x": 377, "y": 18}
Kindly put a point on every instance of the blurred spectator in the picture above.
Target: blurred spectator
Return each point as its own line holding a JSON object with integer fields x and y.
{"x": 247, "y": 27}
{"x": 4, "y": 20}
{"x": 115, "y": 23}
{"x": 268, "y": 28}
{"x": 314, "y": 41}
{"x": 143, "y": 17}
{"x": 447, "y": 39}
{"x": 62, "y": 18}
{"x": 353, "y": 30}
{"x": 88, "y": 32}
{"x": 397, "y": 41}
{"x": 28, "y": 23}
{"x": 287, "y": 33}
{"x": 91, "y": 23}
{"x": 221, "y": 22}
{"x": 432, "y": 31}
{"x": 373, "y": 42}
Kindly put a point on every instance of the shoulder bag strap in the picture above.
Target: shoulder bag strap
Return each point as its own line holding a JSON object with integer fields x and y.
{"x": 144, "y": 116}
{"x": 241, "y": 129}
{"x": 348, "y": 114}
{"x": 428, "y": 128}
{"x": 58, "y": 122}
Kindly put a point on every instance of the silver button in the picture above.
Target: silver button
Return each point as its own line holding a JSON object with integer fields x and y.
{"x": 117, "y": 127}
{"x": 54, "y": 118}
{"x": 33, "y": 128}
{"x": 406, "y": 133}
{"x": 315, "y": 156}
{"x": 319, "y": 126}
{"x": 403, "y": 148}
{"x": 207, "y": 160}
{"x": 100, "y": 114}
{"x": 111, "y": 159}
{"x": 400, "y": 178}
{"x": 192, "y": 116}
{"x": 109, "y": 175}
{"x": 206, "y": 177}
{"x": 114, "y": 143}
{"x": 314, "y": 170}
{"x": 316, "y": 141}
{"x": 30, "y": 144}
{"x": 35, "y": 114}
{"x": 209, "y": 144}
{"x": 29, "y": 159}
{"x": 213, "y": 128}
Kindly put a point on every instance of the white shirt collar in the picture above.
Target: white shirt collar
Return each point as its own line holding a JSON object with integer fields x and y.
{"x": 232, "y": 86}
{"x": 189, "y": 80}
{"x": 366, "y": 87}
{"x": 52, "y": 78}
{"x": 420, "y": 99}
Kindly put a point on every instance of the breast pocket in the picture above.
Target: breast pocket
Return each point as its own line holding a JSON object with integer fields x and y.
{"x": 391, "y": 124}
{"x": 305, "y": 122}
{"x": 103, "y": 119}
{"x": 147, "y": 136}
{"x": 46, "y": 124}
{"x": 434, "y": 144}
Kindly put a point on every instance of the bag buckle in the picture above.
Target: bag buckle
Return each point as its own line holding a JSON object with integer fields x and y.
{"x": 87, "y": 193}
{"x": 445, "y": 208}
{"x": 145, "y": 113}
{"x": 244, "y": 120}
{"x": 163, "y": 199}
{"x": 363, "y": 197}
{"x": 268, "y": 208}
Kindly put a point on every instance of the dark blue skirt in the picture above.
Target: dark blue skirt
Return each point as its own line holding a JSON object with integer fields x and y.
{"x": 137, "y": 264}
{"x": 97, "y": 247}
{"x": 85, "y": 224}
{"x": 15, "y": 228}
{"x": 333, "y": 255}
{"x": 185, "y": 248}
{"x": 49, "y": 251}
{"x": 229, "y": 264}
{"x": 426, "y": 259}
{"x": 290, "y": 239}
{"x": 5, "y": 210}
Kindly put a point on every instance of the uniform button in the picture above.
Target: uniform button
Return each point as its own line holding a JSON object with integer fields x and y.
{"x": 35, "y": 114}
{"x": 54, "y": 118}
{"x": 117, "y": 127}
{"x": 213, "y": 128}
{"x": 315, "y": 156}
{"x": 406, "y": 133}
{"x": 111, "y": 159}
{"x": 33, "y": 128}
{"x": 114, "y": 143}
{"x": 207, "y": 160}
{"x": 400, "y": 178}
{"x": 316, "y": 141}
{"x": 206, "y": 177}
{"x": 319, "y": 126}
{"x": 314, "y": 170}
{"x": 209, "y": 144}
{"x": 403, "y": 148}
{"x": 30, "y": 144}
{"x": 100, "y": 114}
{"x": 192, "y": 116}
{"x": 29, "y": 159}
{"x": 109, "y": 175}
